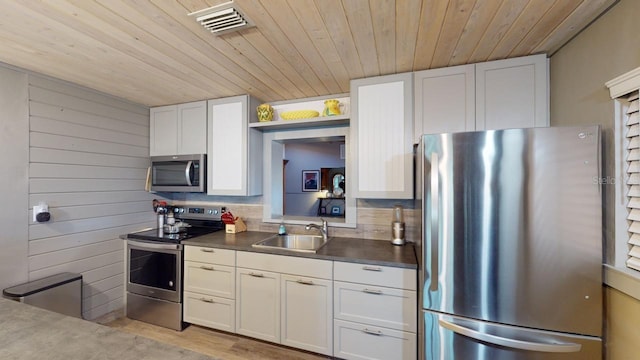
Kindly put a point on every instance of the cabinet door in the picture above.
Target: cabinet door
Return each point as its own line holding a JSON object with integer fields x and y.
{"x": 512, "y": 93}
{"x": 307, "y": 318}
{"x": 192, "y": 128}
{"x": 163, "y": 128}
{"x": 234, "y": 156}
{"x": 444, "y": 100}
{"x": 382, "y": 136}
{"x": 258, "y": 304}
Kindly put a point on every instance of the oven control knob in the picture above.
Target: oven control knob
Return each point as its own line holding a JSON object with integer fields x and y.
{"x": 210, "y": 212}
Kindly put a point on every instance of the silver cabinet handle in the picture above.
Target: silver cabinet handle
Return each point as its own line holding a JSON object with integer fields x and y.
{"x": 305, "y": 282}
{"x": 207, "y": 250}
{"x": 372, "y": 332}
{"x": 206, "y": 300}
{"x": 371, "y": 268}
{"x": 372, "y": 291}
{"x": 256, "y": 274}
{"x": 511, "y": 343}
{"x": 208, "y": 268}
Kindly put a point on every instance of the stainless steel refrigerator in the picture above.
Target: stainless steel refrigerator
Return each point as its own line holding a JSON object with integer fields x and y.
{"x": 511, "y": 245}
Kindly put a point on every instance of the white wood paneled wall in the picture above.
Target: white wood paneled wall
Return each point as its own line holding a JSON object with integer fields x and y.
{"x": 88, "y": 160}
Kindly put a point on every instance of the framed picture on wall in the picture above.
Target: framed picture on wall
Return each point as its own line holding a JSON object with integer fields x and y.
{"x": 310, "y": 180}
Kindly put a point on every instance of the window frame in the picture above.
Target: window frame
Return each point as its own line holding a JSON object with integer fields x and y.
{"x": 616, "y": 272}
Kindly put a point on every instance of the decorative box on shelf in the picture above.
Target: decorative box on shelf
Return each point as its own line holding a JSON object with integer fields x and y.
{"x": 287, "y": 113}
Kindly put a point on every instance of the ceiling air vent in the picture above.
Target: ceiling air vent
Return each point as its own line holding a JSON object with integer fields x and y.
{"x": 221, "y": 19}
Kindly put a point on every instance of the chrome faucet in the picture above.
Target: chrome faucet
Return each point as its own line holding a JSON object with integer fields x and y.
{"x": 324, "y": 228}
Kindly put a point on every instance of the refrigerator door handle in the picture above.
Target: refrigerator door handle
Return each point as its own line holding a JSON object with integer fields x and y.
{"x": 435, "y": 231}
{"x": 511, "y": 343}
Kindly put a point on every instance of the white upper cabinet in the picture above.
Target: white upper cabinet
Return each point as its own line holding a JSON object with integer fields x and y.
{"x": 381, "y": 136}
{"x": 234, "y": 160}
{"x": 178, "y": 129}
{"x": 502, "y": 94}
{"x": 192, "y": 128}
{"x": 512, "y": 93}
{"x": 445, "y": 100}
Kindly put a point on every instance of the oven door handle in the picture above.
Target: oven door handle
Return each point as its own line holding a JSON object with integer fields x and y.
{"x": 155, "y": 246}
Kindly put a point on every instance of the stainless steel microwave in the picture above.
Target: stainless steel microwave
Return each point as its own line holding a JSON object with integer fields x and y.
{"x": 179, "y": 173}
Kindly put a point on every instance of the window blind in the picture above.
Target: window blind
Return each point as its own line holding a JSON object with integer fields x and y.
{"x": 633, "y": 179}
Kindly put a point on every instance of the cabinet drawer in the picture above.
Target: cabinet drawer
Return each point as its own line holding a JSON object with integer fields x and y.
{"x": 210, "y": 255}
{"x": 356, "y": 341}
{"x": 375, "y": 275}
{"x": 216, "y": 280}
{"x": 210, "y": 311}
{"x": 379, "y": 306}
{"x": 286, "y": 264}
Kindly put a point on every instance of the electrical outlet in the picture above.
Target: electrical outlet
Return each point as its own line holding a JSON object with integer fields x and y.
{"x": 40, "y": 208}
{"x": 37, "y": 209}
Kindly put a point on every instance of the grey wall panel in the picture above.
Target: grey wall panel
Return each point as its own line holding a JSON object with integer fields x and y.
{"x": 63, "y": 142}
{"x": 55, "y": 243}
{"x": 86, "y": 198}
{"x": 82, "y": 118}
{"x": 53, "y": 228}
{"x": 64, "y": 171}
{"x": 37, "y": 262}
{"x": 81, "y": 265}
{"x": 78, "y": 91}
{"x": 14, "y": 157}
{"x": 45, "y": 155}
{"x": 88, "y": 161}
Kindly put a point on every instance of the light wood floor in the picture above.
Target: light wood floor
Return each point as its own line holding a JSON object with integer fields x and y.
{"x": 213, "y": 343}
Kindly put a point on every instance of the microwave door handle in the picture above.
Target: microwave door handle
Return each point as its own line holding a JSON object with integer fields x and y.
{"x": 187, "y": 172}
{"x": 558, "y": 347}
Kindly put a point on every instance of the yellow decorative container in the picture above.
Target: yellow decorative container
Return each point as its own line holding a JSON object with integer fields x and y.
{"x": 331, "y": 107}
{"x": 265, "y": 112}
{"x": 299, "y": 114}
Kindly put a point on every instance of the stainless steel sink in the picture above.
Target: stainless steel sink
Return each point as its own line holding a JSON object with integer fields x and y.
{"x": 302, "y": 243}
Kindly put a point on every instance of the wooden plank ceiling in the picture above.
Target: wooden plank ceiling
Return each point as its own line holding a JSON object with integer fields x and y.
{"x": 151, "y": 52}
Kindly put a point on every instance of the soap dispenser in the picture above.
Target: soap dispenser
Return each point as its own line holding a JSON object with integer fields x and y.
{"x": 282, "y": 230}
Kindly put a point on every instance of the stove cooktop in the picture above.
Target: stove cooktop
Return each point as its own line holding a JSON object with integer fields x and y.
{"x": 162, "y": 236}
{"x": 201, "y": 221}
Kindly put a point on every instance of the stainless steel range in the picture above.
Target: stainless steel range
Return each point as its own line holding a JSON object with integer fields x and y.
{"x": 154, "y": 265}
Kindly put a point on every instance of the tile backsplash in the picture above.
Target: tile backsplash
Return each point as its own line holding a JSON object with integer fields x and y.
{"x": 374, "y": 216}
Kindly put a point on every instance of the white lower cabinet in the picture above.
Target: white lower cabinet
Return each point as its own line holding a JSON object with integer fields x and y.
{"x": 375, "y": 305}
{"x": 346, "y": 310}
{"x": 306, "y": 313}
{"x": 375, "y": 312}
{"x": 209, "y": 287}
{"x": 210, "y": 311}
{"x": 286, "y": 300}
{"x": 362, "y": 341}
{"x": 258, "y": 307}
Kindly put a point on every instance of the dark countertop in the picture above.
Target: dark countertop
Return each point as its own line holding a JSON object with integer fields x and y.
{"x": 28, "y": 332}
{"x": 364, "y": 251}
